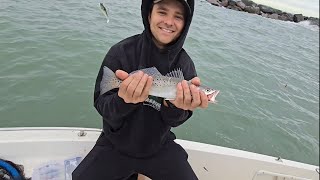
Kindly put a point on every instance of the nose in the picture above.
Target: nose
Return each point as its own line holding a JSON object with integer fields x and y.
{"x": 169, "y": 21}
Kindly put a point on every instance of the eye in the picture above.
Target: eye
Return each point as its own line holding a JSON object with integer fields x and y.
{"x": 180, "y": 18}
{"x": 161, "y": 12}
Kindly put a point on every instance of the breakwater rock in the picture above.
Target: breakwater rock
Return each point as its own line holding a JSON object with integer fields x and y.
{"x": 262, "y": 10}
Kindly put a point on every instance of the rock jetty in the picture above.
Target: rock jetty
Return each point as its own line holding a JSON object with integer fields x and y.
{"x": 262, "y": 10}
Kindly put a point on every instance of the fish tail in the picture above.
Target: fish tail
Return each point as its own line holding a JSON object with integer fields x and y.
{"x": 109, "y": 81}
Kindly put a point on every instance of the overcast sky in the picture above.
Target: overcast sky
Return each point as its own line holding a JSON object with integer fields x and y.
{"x": 305, "y": 7}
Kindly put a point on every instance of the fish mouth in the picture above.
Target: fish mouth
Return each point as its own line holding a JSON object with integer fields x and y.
{"x": 212, "y": 97}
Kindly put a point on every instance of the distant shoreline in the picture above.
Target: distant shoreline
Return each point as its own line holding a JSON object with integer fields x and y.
{"x": 263, "y": 10}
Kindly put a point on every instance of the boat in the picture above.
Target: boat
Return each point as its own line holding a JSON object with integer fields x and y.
{"x": 37, "y": 148}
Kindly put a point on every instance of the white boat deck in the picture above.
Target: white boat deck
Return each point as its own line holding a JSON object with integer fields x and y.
{"x": 32, "y": 147}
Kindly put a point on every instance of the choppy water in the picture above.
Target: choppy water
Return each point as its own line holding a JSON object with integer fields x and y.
{"x": 267, "y": 71}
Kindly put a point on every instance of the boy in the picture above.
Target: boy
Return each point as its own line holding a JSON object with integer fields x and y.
{"x": 136, "y": 135}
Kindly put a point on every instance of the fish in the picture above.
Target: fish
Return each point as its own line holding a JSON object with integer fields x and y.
{"x": 104, "y": 11}
{"x": 164, "y": 86}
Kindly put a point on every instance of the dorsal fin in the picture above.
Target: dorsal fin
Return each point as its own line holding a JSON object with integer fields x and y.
{"x": 176, "y": 74}
{"x": 152, "y": 71}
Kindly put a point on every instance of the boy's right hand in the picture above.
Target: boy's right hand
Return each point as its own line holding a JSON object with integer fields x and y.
{"x": 134, "y": 88}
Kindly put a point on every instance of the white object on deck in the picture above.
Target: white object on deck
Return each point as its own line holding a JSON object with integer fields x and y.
{"x": 32, "y": 147}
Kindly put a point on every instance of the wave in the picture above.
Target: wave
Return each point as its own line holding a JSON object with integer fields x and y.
{"x": 309, "y": 24}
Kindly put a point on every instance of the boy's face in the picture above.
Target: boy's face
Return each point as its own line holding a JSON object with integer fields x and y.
{"x": 166, "y": 22}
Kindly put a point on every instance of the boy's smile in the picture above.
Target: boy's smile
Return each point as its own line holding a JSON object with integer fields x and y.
{"x": 166, "y": 22}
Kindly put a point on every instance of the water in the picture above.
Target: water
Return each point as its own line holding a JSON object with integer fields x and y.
{"x": 267, "y": 71}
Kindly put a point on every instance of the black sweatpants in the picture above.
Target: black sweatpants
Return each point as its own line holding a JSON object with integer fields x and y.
{"x": 105, "y": 163}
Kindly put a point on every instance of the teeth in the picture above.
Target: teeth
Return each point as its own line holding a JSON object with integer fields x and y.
{"x": 167, "y": 30}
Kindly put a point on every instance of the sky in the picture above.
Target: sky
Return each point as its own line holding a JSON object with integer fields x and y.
{"x": 305, "y": 7}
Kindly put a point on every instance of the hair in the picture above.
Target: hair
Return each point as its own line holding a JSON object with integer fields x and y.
{"x": 151, "y": 8}
{"x": 6, "y": 174}
{"x": 152, "y": 4}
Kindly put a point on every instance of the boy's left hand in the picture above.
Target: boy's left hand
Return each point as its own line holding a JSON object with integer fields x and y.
{"x": 189, "y": 97}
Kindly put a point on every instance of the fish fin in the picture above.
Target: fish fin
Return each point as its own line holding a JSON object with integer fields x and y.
{"x": 213, "y": 102}
{"x": 176, "y": 74}
{"x": 216, "y": 102}
{"x": 109, "y": 80}
{"x": 152, "y": 71}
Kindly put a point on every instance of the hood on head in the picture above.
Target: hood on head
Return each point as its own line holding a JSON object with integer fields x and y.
{"x": 184, "y": 2}
{"x": 146, "y": 6}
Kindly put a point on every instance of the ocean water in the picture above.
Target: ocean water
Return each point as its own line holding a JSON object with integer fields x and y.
{"x": 267, "y": 72}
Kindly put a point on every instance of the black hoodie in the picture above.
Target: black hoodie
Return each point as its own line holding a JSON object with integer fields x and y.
{"x": 140, "y": 130}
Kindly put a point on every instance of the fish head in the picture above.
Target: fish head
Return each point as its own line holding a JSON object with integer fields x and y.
{"x": 211, "y": 93}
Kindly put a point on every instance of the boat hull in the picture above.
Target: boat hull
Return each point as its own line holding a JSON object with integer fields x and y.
{"x": 32, "y": 147}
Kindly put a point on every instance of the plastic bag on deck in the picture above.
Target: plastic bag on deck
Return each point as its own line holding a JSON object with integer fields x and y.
{"x": 56, "y": 170}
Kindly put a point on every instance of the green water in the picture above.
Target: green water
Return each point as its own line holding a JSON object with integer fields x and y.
{"x": 267, "y": 72}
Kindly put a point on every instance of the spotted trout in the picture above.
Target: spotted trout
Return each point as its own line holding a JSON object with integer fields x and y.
{"x": 162, "y": 86}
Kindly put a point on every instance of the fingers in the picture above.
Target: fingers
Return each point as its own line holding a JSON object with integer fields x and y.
{"x": 189, "y": 97}
{"x": 204, "y": 100}
{"x": 135, "y": 88}
{"x": 142, "y": 90}
{"x": 200, "y": 99}
{"x": 131, "y": 95}
{"x": 182, "y": 101}
{"x": 184, "y": 96}
{"x": 147, "y": 88}
{"x": 123, "y": 88}
{"x": 196, "y": 81}
{"x": 137, "y": 84}
{"x": 178, "y": 102}
{"x": 122, "y": 74}
{"x": 196, "y": 100}
{"x": 186, "y": 93}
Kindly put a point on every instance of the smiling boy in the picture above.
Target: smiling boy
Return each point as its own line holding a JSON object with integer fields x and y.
{"x": 163, "y": 28}
{"x": 137, "y": 135}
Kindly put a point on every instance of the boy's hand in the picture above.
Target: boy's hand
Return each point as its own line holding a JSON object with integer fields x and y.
{"x": 134, "y": 88}
{"x": 190, "y": 97}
